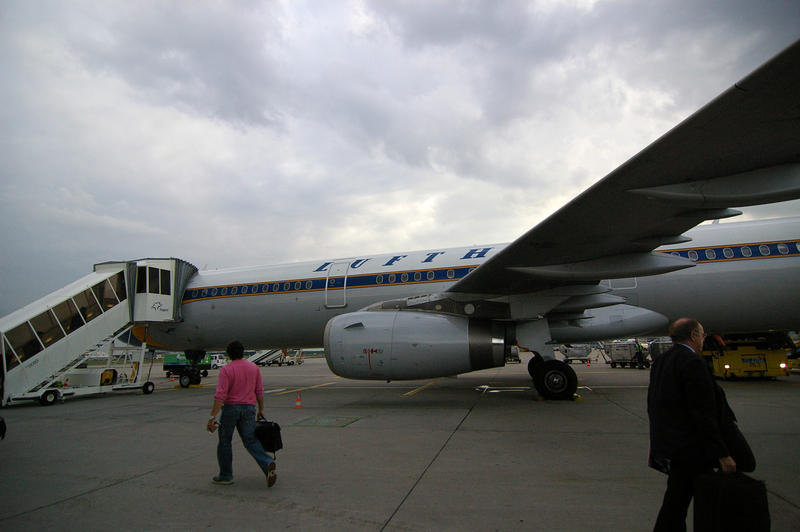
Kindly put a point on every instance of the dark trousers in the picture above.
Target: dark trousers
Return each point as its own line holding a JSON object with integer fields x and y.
{"x": 680, "y": 490}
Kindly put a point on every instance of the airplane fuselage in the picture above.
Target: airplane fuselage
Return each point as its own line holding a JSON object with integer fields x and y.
{"x": 745, "y": 279}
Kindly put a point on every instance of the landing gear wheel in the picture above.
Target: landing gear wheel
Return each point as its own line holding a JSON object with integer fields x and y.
{"x": 204, "y": 373}
{"x": 185, "y": 381}
{"x": 555, "y": 380}
{"x": 533, "y": 363}
{"x": 148, "y": 388}
{"x": 48, "y": 398}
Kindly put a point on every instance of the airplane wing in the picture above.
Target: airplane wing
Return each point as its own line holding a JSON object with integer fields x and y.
{"x": 741, "y": 149}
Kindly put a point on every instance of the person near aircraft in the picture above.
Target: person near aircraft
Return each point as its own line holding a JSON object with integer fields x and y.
{"x": 239, "y": 390}
{"x": 686, "y": 438}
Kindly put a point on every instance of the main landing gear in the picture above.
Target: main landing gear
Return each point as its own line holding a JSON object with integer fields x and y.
{"x": 553, "y": 379}
{"x": 192, "y": 374}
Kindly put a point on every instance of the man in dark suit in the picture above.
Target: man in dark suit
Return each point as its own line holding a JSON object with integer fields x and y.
{"x": 685, "y": 436}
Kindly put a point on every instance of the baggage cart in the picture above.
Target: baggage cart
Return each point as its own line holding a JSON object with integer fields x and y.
{"x": 627, "y": 353}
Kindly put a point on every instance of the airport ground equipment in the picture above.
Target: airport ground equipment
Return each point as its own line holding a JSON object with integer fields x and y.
{"x": 579, "y": 353}
{"x": 261, "y": 358}
{"x": 218, "y": 360}
{"x": 755, "y": 355}
{"x": 623, "y": 353}
{"x": 80, "y": 339}
{"x": 659, "y": 346}
{"x": 285, "y": 358}
{"x": 512, "y": 355}
{"x": 177, "y": 364}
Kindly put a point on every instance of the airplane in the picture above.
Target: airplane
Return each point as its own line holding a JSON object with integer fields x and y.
{"x": 619, "y": 260}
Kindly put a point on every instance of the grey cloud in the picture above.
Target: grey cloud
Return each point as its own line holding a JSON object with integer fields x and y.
{"x": 215, "y": 60}
{"x": 228, "y": 134}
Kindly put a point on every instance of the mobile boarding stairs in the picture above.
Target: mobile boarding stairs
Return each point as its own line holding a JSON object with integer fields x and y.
{"x": 79, "y": 340}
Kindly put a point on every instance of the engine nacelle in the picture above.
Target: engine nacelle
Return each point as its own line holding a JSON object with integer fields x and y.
{"x": 618, "y": 321}
{"x": 404, "y": 345}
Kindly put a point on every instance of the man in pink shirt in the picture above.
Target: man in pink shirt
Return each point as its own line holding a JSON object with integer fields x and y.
{"x": 238, "y": 391}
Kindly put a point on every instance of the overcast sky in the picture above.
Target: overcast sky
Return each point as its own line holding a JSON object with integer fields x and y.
{"x": 242, "y": 132}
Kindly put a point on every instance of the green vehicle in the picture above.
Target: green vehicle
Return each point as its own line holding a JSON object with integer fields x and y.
{"x": 178, "y": 364}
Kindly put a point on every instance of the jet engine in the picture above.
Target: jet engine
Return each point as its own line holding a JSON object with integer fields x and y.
{"x": 398, "y": 345}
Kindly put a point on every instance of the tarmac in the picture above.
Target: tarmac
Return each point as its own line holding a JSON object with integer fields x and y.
{"x": 476, "y": 452}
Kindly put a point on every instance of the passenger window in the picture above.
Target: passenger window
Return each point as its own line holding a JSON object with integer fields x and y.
{"x": 417, "y": 276}
{"x": 431, "y": 275}
{"x": 105, "y": 294}
{"x": 711, "y": 254}
{"x": 47, "y": 328}
{"x": 68, "y": 315}
{"x": 404, "y": 277}
{"x": 693, "y": 255}
{"x": 141, "y": 280}
{"x": 764, "y": 250}
{"x": 118, "y": 284}
{"x": 379, "y": 279}
{"x": 87, "y": 305}
{"x": 728, "y": 252}
{"x": 391, "y": 278}
{"x": 166, "y": 284}
{"x": 153, "y": 276}
{"x": 746, "y": 251}
{"x": 23, "y": 341}
{"x": 451, "y": 274}
{"x": 783, "y": 249}
{"x": 11, "y": 360}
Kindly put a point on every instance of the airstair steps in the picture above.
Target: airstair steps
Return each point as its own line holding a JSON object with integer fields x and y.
{"x": 45, "y": 340}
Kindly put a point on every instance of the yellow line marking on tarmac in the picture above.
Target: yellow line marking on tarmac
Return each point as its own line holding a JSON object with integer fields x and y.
{"x": 294, "y": 390}
{"x": 417, "y": 390}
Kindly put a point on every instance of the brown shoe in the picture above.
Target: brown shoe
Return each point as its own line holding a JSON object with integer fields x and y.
{"x": 271, "y": 475}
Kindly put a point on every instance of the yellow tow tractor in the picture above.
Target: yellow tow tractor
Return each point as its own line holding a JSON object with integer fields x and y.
{"x": 794, "y": 356}
{"x": 754, "y": 355}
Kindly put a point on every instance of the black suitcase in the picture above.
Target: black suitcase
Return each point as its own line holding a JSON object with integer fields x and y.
{"x": 730, "y": 502}
{"x": 269, "y": 434}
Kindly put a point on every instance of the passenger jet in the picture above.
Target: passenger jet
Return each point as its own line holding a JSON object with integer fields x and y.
{"x": 620, "y": 260}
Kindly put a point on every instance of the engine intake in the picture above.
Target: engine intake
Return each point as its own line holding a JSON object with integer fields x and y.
{"x": 406, "y": 345}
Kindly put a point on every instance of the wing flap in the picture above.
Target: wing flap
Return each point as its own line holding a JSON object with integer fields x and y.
{"x": 616, "y": 267}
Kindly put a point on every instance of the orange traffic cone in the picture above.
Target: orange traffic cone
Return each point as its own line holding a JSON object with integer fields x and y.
{"x": 298, "y": 403}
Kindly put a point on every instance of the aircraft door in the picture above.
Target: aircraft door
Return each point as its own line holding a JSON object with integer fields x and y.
{"x": 336, "y": 285}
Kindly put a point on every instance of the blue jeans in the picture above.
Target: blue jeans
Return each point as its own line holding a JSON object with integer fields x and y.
{"x": 243, "y": 418}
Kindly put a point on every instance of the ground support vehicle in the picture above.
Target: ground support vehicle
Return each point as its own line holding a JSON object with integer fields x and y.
{"x": 179, "y": 365}
{"x": 512, "y": 355}
{"x": 218, "y": 360}
{"x": 105, "y": 368}
{"x": 659, "y": 346}
{"x": 578, "y": 353}
{"x": 756, "y": 355}
{"x": 627, "y": 353}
